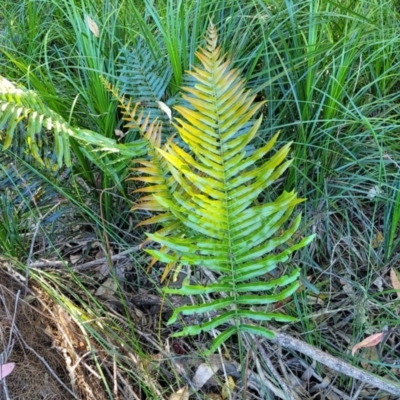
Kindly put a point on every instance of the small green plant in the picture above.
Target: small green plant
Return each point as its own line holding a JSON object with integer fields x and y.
{"x": 208, "y": 193}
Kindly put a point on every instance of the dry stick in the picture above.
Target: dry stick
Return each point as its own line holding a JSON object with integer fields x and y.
{"x": 266, "y": 382}
{"x": 11, "y": 340}
{"x": 82, "y": 267}
{"x": 336, "y": 363}
{"x": 358, "y": 391}
{"x": 127, "y": 386}
{"x": 115, "y": 389}
{"x": 266, "y": 359}
{"x": 105, "y": 259}
{"x": 282, "y": 393}
{"x": 281, "y": 364}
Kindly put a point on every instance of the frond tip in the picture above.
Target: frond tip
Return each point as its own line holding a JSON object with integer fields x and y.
{"x": 219, "y": 180}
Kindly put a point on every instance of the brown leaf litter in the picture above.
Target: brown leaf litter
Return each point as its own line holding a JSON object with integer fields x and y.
{"x": 40, "y": 346}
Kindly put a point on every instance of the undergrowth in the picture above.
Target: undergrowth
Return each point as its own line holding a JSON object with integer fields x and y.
{"x": 328, "y": 71}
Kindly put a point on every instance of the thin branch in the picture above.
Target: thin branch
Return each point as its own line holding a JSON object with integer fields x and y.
{"x": 335, "y": 363}
{"x": 267, "y": 383}
{"x": 282, "y": 383}
{"x": 105, "y": 259}
{"x": 83, "y": 267}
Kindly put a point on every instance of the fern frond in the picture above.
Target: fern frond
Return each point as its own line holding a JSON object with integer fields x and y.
{"x": 153, "y": 172}
{"x": 23, "y": 108}
{"x": 157, "y": 175}
{"x": 145, "y": 79}
{"x": 218, "y": 184}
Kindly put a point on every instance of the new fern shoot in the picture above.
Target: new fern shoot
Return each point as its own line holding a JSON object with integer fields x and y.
{"x": 207, "y": 193}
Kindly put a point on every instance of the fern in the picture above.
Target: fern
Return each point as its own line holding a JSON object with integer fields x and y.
{"x": 23, "y": 111}
{"x": 218, "y": 183}
{"x": 150, "y": 131}
{"x": 153, "y": 169}
{"x": 145, "y": 80}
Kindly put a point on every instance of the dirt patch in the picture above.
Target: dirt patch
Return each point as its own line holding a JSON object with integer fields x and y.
{"x": 47, "y": 365}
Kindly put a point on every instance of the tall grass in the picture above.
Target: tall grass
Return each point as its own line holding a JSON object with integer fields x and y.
{"x": 331, "y": 78}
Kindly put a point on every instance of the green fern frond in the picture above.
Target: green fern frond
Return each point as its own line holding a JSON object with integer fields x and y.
{"x": 23, "y": 108}
{"x": 145, "y": 79}
{"x": 218, "y": 184}
{"x": 18, "y": 104}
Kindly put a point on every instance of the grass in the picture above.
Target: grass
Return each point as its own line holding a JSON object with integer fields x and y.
{"x": 329, "y": 71}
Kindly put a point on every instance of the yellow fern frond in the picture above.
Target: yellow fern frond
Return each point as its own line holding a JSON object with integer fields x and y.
{"x": 219, "y": 180}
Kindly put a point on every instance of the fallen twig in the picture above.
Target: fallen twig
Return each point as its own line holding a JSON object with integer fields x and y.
{"x": 82, "y": 267}
{"x": 289, "y": 395}
{"x": 335, "y": 363}
{"x": 90, "y": 264}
